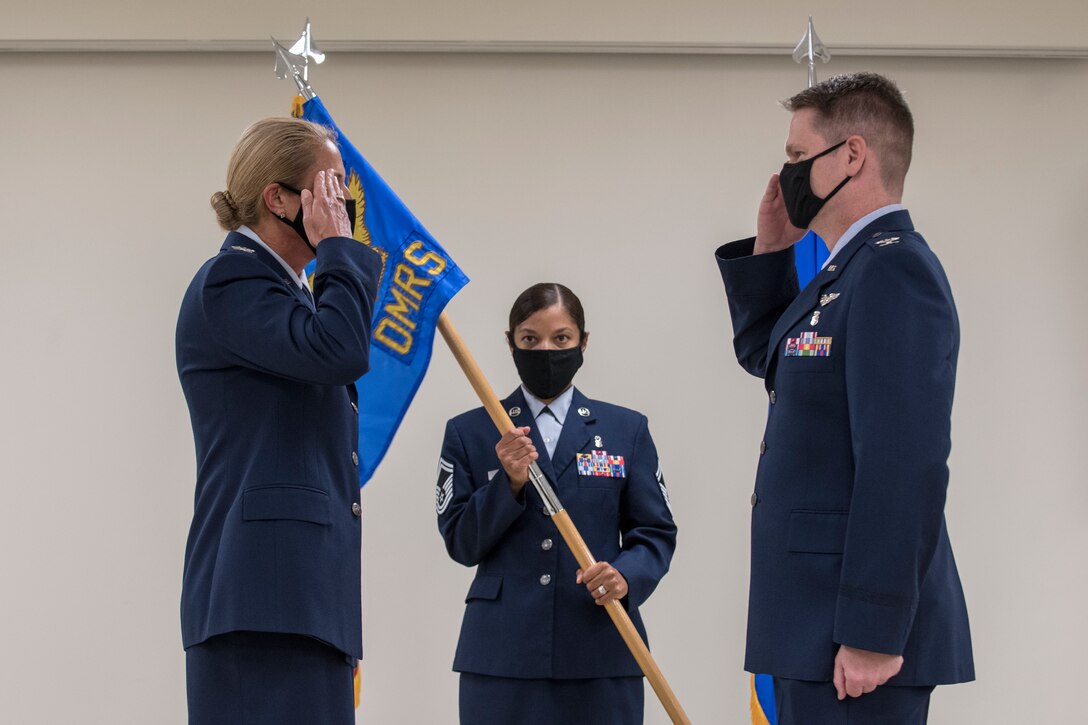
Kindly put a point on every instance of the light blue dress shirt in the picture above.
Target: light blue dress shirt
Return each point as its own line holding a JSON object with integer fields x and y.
{"x": 550, "y": 424}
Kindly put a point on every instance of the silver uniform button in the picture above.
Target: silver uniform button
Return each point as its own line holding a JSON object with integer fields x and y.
{"x": 545, "y": 579}
{"x": 355, "y": 458}
{"x": 354, "y": 408}
{"x": 546, "y": 545}
{"x": 762, "y": 447}
{"x": 774, "y": 397}
{"x": 357, "y": 509}
{"x": 755, "y": 498}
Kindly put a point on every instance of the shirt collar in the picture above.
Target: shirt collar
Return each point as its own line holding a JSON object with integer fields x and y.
{"x": 558, "y": 407}
{"x": 860, "y": 224}
{"x": 300, "y": 280}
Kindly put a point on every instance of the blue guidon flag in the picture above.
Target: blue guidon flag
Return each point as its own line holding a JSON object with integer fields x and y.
{"x": 810, "y": 253}
{"x": 418, "y": 279}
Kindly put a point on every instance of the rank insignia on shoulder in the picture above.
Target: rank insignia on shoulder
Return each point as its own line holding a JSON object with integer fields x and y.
{"x": 443, "y": 492}
{"x": 514, "y": 412}
{"x": 827, "y": 299}
{"x": 808, "y": 345}
{"x": 886, "y": 242}
{"x": 236, "y": 248}
{"x": 599, "y": 463}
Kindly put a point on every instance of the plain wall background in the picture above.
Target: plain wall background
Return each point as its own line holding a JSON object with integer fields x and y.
{"x": 616, "y": 174}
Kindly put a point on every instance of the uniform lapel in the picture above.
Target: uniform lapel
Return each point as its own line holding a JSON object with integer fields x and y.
{"x": 805, "y": 302}
{"x": 238, "y": 242}
{"x": 577, "y": 430}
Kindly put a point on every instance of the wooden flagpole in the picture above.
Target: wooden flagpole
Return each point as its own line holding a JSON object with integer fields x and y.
{"x": 563, "y": 522}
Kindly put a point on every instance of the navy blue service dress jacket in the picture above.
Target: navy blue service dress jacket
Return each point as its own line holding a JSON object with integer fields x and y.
{"x": 525, "y": 617}
{"x": 849, "y": 543}
{"x": 269, "y": 380}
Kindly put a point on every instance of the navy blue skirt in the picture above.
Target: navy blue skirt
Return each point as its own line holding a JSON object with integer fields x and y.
{"x": 487, "y": 700}
{"x": 258, "y": 678}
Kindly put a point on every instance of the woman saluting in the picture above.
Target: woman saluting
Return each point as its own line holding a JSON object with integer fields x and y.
{"x": 535, "y": 646}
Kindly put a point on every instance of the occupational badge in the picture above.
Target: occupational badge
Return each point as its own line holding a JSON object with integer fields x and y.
{"x": 815, "y": 318}
{"x": 597, "y": 442}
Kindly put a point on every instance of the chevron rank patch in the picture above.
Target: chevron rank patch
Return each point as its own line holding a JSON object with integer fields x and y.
{"x": 599, "y": 463}
{"x": 808, "y": 345}
{"x": 664, "y": 490}
{"x": 443, "y": 492}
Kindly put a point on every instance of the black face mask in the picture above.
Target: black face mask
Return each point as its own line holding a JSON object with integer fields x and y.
{"x": 297, "y": 225}
{"x": 802, "y": 204}
{"x": 547, "y": 373}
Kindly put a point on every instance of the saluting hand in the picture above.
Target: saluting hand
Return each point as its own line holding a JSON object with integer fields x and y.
{"x": 323, "y": 211}
{"x": 773, "y": 229}
{"x": 859, "y": 671}
{"x": 516, "y": 451}
{"x": 603, "y": 582}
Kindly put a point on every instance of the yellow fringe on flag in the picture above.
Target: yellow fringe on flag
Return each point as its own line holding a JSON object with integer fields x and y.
{"x": 359, "y": 671}
{"x": 296, "y": 111}
{"x": 758, "y": 718}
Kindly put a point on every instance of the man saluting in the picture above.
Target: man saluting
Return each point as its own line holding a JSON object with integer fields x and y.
{"x": 855, "y": 604}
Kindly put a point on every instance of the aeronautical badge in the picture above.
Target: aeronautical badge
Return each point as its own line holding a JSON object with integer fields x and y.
{"x": 664, "y": 490}
{"x": 886, "y": 242}
{"x": 443, "y": 492}
{"x": 828, "y": 298}
{"x": 808, "y": 345}
{"x": 584, "y": 412}
{"x": 514, "y": 412}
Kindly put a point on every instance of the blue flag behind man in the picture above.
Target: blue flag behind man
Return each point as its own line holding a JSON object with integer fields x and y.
{"x": 418, "y": 280}
{"x": 809, "y": 256}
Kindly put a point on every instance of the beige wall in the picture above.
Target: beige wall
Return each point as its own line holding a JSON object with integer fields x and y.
{"x": 615, "y": 174}
{"x": 881, "y": 24}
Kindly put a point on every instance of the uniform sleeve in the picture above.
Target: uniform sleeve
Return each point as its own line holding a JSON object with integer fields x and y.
{"x": 759, "y": 288}
{"x": 473, "y": 515}
{"x": 256, "y": 318}
{"x": 900, "y": 375}
{"x": 646, "y": 523}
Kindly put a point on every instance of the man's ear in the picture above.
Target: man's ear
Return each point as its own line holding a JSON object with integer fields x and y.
{"x": 857, "y": 151}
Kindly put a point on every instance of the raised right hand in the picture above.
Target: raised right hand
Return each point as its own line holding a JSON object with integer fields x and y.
{"x": 773, "y": 229}
{"x": 516, "y": 451}
{"x": 323, "y": 212}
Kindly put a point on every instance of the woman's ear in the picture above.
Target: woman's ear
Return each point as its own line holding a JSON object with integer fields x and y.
{"x": 510, "y": 340}
{"x": 272, "y": 195}
{"x": 585, "y": 340}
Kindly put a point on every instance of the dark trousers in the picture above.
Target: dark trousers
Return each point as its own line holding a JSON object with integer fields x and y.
{"x": 258, "y": 678}
{"x": 815, "y": 703}
{"x": 487, "y": 700}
